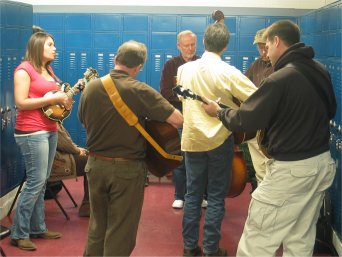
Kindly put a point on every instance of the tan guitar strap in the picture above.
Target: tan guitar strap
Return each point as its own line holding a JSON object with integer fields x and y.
{"x": 130, "y": 117}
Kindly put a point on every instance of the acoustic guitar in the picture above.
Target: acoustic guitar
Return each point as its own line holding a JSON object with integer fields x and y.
{"x": 168, "y": 138}
{"x": 58, "y": 112}
{"x": 239, "y": 137}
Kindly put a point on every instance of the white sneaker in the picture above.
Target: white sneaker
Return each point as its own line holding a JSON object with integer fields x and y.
{"x": 204, "y": 203}
{"x": 178, "y": 204}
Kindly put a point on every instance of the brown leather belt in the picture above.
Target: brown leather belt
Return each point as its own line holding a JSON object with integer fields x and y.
{"x": 105, "y": 158}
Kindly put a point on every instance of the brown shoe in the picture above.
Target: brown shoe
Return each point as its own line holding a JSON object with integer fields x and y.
{"x": 47, "y": 235}
{"x": 84, "y": 210}
{"x": 24, "y": 244}
{"x": 220, "y": 252}
{"x": 193, "y": 252}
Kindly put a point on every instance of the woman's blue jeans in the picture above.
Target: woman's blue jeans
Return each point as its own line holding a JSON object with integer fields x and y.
{"x": 38, "y": 151}
{"x": 213, "y": 166}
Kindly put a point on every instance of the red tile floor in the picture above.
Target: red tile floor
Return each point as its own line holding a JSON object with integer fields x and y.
{"x": 160, "y": 229}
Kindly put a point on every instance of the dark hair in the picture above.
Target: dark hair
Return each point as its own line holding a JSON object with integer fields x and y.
{"x": 131, "y": 54}
{"x": 216, "y": 37}
{"x": 35, "y": 49}
{"x": 287, "y": 30}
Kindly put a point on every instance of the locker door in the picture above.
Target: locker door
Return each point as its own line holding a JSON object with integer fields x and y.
{"x": 158, "y": 59}
{"x": 76, "y": 63}
{"x": 157, "y": 62}
{"x": 103, "y": 61}
{"x": 245, "y": 60}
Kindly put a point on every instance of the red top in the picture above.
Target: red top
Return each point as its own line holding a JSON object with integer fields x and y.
{"x": 34, "y": 120}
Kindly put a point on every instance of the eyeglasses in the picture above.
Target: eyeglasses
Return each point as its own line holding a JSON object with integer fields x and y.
{"x": 188, "y": 46}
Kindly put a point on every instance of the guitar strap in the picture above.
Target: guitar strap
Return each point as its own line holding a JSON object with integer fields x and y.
{"x": 129, "y": 116}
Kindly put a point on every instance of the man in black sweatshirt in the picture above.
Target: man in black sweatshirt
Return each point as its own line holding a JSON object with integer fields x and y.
{"x": 293, "y": 107}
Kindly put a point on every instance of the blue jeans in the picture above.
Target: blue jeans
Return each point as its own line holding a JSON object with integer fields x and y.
{"x": 38, "y": 151}
{"x": 179, "y": 180}
{"x": 179, "y": 176}
{"x": 213, "y": 166}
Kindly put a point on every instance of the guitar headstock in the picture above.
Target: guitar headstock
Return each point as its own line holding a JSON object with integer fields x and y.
{"x": 185, "y": 93}
{"x": 89, "y": 75}
{"x": 217, "y": 16}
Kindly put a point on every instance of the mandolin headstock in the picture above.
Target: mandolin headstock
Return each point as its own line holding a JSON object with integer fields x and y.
{"x": 185, "y": 93}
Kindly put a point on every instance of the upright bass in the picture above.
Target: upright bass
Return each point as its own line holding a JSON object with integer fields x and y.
{"x": 238, "y": 179}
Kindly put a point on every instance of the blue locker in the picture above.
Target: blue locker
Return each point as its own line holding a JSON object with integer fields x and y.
{"x": 58, "y": 39}
{"x": 107, "y": 22}
{"x": 11, "y": 13}
{"x": 230, "y": 22}
{"x": 318, "y": 20}
{"x": 2, "y": 14}
{"x": 246, "y": 43}
{"x": 158, "y": 58}
{"x": 76, "y": 63}
{"x": 138, "y": 23}
{"x": 196, "y": 24}
{"x": 78, "y": 22}
{"x": 106, "y": 40}
{"x": 103, "y": 61}
{"x": 271, "y": 20}
{"x": 163, "y": 40}
{"x": 16, "y": 27}
{"x": 9, "y": 34}
{"x": 244, "y": 60}
{"x": 137, "y": 36}
{"x": 156, "y": 67}
{"x": 200, "y": 45}
{"x": 164, "y": 23}
{"x": 51, "y": 21}
{"x": 25, "y": 16}
{"x": 249, "y": 25}
{"x": 58, "y": 65}
{"x": 78, "y": 40}
{"x": 232, "y": 43}
{"x": 229, "y": 58}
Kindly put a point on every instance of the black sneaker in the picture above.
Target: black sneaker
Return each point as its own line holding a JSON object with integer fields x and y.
{"x": 220, "y": 252}
{"x": 193, "y": 252}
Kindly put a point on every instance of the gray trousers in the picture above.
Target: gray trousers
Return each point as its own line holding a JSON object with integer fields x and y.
{"x": 116, "y": 190}
{"x": 285, "y": 207}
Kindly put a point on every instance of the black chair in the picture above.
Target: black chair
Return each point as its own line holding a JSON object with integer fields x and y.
{"x": 4, "y": 232}
{"x": 48, "y": 188}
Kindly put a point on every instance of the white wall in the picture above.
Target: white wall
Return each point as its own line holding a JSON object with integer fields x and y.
{"x": 296, "y": 4}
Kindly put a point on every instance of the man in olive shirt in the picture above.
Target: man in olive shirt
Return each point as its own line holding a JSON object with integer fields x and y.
{"x": 260, "y": 69}
{"x": 116, "y": 169}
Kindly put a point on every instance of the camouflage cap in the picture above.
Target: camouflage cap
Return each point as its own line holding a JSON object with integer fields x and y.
{"x": 259, "y": 38}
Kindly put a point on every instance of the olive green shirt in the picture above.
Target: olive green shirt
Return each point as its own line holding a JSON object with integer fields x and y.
{"x": 108, "y": 134}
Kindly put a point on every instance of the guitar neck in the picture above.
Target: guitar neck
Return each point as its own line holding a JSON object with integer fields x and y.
{"x": 199, "y": 98}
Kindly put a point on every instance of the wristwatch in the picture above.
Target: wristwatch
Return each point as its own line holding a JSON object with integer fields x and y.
{"x": 218, "y": 113}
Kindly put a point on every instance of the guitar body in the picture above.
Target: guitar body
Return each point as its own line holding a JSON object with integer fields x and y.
{"x": 55, "y": 112}
{"x": 241, "y": 137}
{"x": 168, "y": 138}
{"x": 239, "y": 175}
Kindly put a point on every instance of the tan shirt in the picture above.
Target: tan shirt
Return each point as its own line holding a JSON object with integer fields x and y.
{"x": 211, "y": 77}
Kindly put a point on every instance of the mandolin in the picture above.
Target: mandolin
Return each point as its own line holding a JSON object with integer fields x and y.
{"x": 58, "y": 112}
{"x": 239, "y": 137}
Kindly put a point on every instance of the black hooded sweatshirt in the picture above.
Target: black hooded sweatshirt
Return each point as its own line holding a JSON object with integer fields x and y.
{"x": 293, "y": 106}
